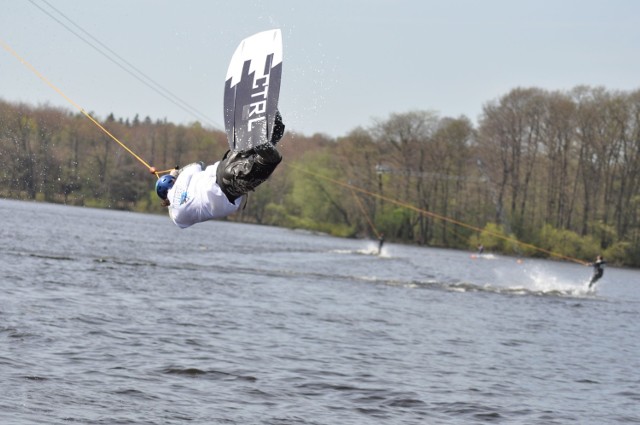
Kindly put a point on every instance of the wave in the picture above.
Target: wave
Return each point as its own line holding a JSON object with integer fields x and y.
{"x": 370, "y": 249}
{"x": 541, "y": 286}
{"x": 127, "y": 262}
{"x": 192, "y": 372}
{"x": 40, "y": 255}
{"x": 517, "y": 290}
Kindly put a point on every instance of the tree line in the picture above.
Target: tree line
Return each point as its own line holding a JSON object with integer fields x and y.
{"x": 558, "y": 171}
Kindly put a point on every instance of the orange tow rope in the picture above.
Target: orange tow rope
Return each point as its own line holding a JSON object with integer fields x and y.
{"x": 151, "y": 169}
{"x": 441, "y": 217}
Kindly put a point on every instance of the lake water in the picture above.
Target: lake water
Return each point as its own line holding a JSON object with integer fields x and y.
{"x": 109, "y": 317}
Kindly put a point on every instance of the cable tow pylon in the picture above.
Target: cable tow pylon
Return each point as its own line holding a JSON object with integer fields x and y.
{"x": 8, "y": 48}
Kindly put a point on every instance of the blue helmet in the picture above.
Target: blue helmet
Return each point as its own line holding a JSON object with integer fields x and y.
{"x": 163, "y": 185}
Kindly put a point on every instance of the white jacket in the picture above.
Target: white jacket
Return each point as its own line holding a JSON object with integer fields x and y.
{"x": 196, "y": 197}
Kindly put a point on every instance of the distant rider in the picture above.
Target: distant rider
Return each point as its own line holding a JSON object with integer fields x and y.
{"x": 598, "y": 270}
{"x": 195, "y": 194}
{"x": 380, "y": 243}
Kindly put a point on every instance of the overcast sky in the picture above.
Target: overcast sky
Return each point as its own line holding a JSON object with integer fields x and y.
{"x": 346, "y": 62}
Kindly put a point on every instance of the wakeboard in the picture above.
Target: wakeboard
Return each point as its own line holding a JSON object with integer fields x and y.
{"x": 252, "y": 89}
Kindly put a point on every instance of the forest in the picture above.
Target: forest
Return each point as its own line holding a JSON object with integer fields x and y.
{"x": 543, "y": 173}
